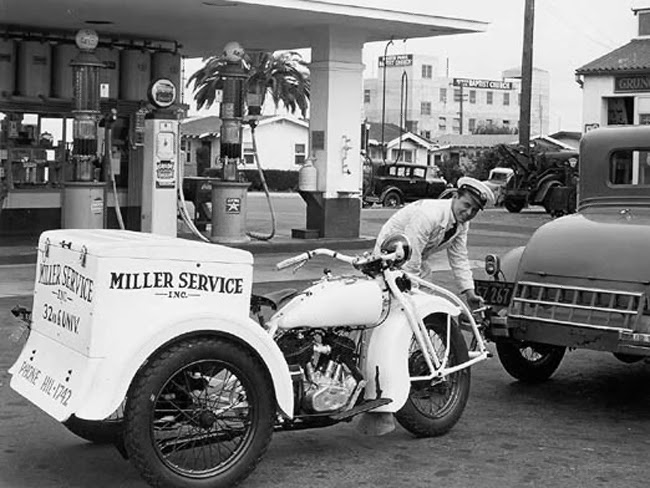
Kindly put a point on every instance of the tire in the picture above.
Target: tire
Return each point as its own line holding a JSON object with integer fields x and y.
{"x": 530, "y": 362}
{"x": 108, "y": 431}
{"x": 513, "y": 206}
{"x": 185, "y": 394}
{"x": 628, "y": 358}
{"x": 433, "y": 409}
{"x": 392, "y": 199}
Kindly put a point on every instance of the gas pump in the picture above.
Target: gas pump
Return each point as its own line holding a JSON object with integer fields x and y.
{"x": 84, "y": 198}
{"x": 228, "y": 193}
{"x": 159, "y": 172}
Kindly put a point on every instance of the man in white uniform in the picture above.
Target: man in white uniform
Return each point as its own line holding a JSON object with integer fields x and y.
{"x": 434, "y": 225}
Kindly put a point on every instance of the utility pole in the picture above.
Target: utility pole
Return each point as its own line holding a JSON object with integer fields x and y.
{"x": 461, "y": 108}
{"x": 526, "y": 75}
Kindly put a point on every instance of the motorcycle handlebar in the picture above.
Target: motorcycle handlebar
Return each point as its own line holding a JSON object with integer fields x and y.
{"x": 355, "y": 261}
{"x": 316, "y": 252}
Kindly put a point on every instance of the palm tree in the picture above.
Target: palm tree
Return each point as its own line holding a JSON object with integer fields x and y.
{"x": 282, "y": 75}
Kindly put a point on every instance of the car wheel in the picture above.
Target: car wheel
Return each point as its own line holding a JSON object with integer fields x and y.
{"x": 392, "y": 199}
{"x": 513, "y": 206}
{"x": 530, "y": 362}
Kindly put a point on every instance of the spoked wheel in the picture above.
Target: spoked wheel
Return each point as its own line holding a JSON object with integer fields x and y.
{"x": 530, "y": 362}
{"x": 107, "y": 431}
{"x": 201, "y": 413}
{"x": 434, "y": 407}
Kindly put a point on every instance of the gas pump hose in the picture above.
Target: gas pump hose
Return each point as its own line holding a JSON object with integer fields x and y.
{"x": 257, "y": 235}
{"x": 182, "y": 206}
{"x": 118, "y": 210}
{"x": 185, "y": 216}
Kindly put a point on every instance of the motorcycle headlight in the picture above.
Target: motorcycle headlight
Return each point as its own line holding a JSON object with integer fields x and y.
{"x": 400, "y": 245}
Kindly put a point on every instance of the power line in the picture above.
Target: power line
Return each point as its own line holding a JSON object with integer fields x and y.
{"x": 608, "y": 44}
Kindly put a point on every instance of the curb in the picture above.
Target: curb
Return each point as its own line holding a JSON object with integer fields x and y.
{"x": 254, "y": 247}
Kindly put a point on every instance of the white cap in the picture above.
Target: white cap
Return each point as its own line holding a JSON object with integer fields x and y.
{"x": 481, "y": 193}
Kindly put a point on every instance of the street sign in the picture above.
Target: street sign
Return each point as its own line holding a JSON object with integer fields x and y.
{"x": 396, "y": 60}
{"x": 486, "y": 84}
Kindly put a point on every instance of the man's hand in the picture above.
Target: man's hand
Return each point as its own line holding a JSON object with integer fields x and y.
{"x": 473, "y": 300}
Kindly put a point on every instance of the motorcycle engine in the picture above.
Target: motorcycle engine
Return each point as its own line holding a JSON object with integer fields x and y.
{"x": 328, "y": 364}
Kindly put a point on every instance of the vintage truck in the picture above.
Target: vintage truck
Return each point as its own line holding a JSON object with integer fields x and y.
{"x": 582, "y": 281}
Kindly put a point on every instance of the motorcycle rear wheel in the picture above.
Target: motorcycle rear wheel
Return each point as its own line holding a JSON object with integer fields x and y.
{"x": 200, "y": 413}
{"x": 433, "y": 408}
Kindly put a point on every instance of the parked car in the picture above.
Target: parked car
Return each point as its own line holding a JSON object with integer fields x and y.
{"x": 395, "y": 184}
{"x": 497, "y": 180}
{"x": 582, "y": 281}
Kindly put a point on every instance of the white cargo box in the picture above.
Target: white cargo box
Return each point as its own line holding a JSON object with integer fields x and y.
{"x": 99, "y": 291}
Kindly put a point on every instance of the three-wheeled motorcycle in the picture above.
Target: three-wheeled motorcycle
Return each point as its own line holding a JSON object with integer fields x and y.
{"x": 151, "y": 343}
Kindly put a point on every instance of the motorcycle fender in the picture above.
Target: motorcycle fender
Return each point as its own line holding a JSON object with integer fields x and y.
{"x": 387, "y": 353}
{"x": 114, "y": 375}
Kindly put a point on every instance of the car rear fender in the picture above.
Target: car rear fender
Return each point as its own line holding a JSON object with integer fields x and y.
{"x": 389, "y": 189}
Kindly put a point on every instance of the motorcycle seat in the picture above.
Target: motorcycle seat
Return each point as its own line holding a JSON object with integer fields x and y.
{"x": 272, "y": 299}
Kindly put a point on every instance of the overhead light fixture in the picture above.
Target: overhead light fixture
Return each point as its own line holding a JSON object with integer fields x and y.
{"x": 219, "y": 3}
{"x": 99, "y": 22}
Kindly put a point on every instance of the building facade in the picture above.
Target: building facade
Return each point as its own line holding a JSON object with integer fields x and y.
{"x": 616, "y": 86}
{"x": 411, "y": 91}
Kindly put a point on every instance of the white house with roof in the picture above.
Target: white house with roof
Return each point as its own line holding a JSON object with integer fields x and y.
{"x": 281, "y": 141}
{"x": 401, "y": 145}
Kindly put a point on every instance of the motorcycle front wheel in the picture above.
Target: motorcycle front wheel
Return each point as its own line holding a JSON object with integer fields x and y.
{"x": 200, "y": 413}
{"x": 434, "y": 407}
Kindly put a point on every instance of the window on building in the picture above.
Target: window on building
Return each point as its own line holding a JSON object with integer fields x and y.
{"x": 443, "y": 95}
{"x": 185, "y": 150}
{"x": 249, "y": 154}
{"x": 472, "y": 125}
{"x": 425, "y": 108}
{"x": 506, "y": 123}
{"x": 442, "y": 124}
{"x": 404, "y": 155}
{"x": 472, "y": 96}
{"x": 366, "y": 96}
{"x": 299, "y": 153}
{"x": 456, "y": 125}
{"x": 427, "y": 71}
{"x": 456, "y": 94}
{"x": 426, "y": 134}
{"x": 506, "y": 98}
{"x": 490, "y": 97}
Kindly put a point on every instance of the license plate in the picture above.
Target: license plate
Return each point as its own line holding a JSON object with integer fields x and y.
{"x": 495, "y": 292}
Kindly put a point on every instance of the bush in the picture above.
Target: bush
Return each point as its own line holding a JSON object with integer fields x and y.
{"x": 277, "y": 180}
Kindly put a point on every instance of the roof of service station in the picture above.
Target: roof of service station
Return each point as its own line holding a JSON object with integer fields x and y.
{"x": 204, "y": 27}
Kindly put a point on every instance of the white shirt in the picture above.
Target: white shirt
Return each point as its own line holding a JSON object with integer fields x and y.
{"x": 424, "y": 223}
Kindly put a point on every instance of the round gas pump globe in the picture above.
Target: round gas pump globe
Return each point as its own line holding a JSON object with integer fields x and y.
{"x": 233, "y": 52}
{"x": 86, "y": 39}
{"x": 162, "y": 93}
